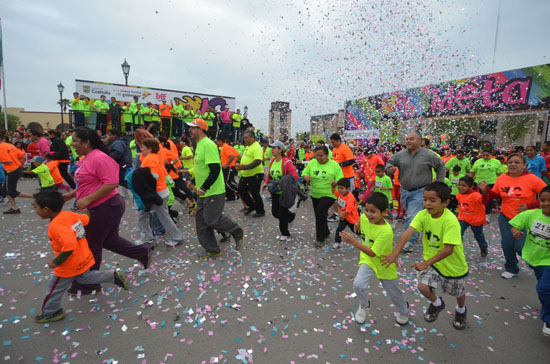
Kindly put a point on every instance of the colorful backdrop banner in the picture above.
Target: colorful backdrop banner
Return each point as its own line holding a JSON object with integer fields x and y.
{"x": 520, "y": 89}
{"x": 200, "y": 102}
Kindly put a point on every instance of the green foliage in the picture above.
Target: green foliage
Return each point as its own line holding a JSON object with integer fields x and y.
{"x": 13, "y": 121}
{"x": 515, "y": 127}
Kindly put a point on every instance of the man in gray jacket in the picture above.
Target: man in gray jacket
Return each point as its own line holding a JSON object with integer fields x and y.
{"x": 415, "y": 172}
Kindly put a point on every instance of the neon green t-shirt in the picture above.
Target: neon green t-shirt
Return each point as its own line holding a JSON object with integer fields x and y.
{"x": 383, "y": 182}
{"x": 453, "y": 182}
{"x": 78, "y": 105}
{"x": 276, "y": 171}
{"x": 439, "y": 232}
{"x": 46, "y": 179}
{"x": 133, "y": 148}
{"x": 145, "y": 110}
{"x": 267, "y": 154}
{"x": 127, "y": 116}
{"x": 68, "y": 142}
{"x": 240, "y": 148}
{"x": 464, "y": 165}
{"x": 301, "y": 154}
{"x": 536, "y": 250}
{"x": 101, "y": 106}
{"x": 487, "y": 171}
{"x": 170, "y": 184}
{"x": 380, "y": 239}
{"x": 251, "y": 153}
{"x": 177, "y": 111}
{"x": 237, "y": 118}
{"x": 209, "y": 118}
{"x": 322, "y": 176}
{"x": 185, "y": 152}
{"x": 205, "y": 154}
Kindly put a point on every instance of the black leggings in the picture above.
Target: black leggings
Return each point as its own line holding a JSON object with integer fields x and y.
{"x": 282, "y": 214}
{"x": 320, "y": 207}
{"x": 64, "y": 171}
{"x": 181, "y": 191}
{"x": 9, "y": 188}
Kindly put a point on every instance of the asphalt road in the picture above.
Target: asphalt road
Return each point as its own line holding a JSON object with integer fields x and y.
{"x": 276, "y": 302}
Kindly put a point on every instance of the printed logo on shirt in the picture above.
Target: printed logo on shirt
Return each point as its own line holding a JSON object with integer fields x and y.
{"x": 368, "y": 242}
{"x": 464, "y": 206}
{"x": 511, "y": 191}
{"x": 433, "y": 240}
{"x": 341, "y": 203}
{"x": 79, "y": 230}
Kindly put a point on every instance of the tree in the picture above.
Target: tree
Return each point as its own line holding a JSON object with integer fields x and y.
{"x": 515, "y": 127}
{"x": 13, "y": 121}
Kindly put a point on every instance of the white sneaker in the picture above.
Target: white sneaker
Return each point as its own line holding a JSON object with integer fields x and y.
{"x": 172, "y": 243}
{"x": 284, "y": 238}
{"x": 402, "y": 319}
{"x": 508, "y": 275}
{"x": 546, "y": 329}
{"x": 361, "y": 314}
{"x": 335, "y": 246}
{"x": 141, "y": 242}
{"x": 407, "y": 248}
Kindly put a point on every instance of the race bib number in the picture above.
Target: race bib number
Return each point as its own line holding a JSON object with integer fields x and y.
{"x": 341, "y": 203}
{"x": 540, "y": 230}
{"x": 378, "y": 184}
{"x": 454, "y": 181}
{"x": 79, "y": 230}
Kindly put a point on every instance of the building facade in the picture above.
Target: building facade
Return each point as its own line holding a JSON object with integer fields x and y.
{"x": 44, "y": 119}
{"x": 280, "y": 117}
{"x": 327, "y": 124}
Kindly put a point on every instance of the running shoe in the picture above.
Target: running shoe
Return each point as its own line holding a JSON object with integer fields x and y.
{"x": 361, "y": 314}
{"x": 12, "y": 211}
{"x": 239, "y": 241}
{"x": 407, "y": 248}
{"x": 120, "y": 280}
{"x": 173, "y": 243}
{"x": 508, "y": 275}
{"x": 459, "y": 321}
{"x": 432, "y": 312}
{"x": 193, "y": 208}
{"x": 284, "y": 238}
{"x": 403, "y": 319}
{"x": 546, "y": 329}
{"x": 50, "y": 317}
{"x": 207, "y": 255}
{"x": 332, "y": 218}
{"x": 484, "y": 253}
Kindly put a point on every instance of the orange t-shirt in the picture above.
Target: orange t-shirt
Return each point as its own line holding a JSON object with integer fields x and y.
{"x": 165, "y": 110}
{"x": 169, "y": 156}
{"x": 348, "y": 204}
{"x": 471, "y": 209}
{"x": 357, "y": 181}
{"x": 309, "y": 156}
{"x": 341, "y": 154}
{"x": 156, "y": 163}
{"x": 369, "y": 166}
{"x": 515, "y": 191}
{"x": 226, "y": 152}
{"x": 396, "y": 177}
{"x": 10, "y": 157}
{"x": 53, "y": 166}
{"x": 66, "y": 233}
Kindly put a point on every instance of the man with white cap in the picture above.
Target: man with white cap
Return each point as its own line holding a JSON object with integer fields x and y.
{"x": 210, "y": 187}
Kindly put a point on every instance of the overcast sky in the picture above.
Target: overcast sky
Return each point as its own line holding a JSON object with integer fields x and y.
{"x": 315, "y": 54}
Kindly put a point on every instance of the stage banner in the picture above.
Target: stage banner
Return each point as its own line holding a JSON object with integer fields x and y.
{"x": 199, "y": 102}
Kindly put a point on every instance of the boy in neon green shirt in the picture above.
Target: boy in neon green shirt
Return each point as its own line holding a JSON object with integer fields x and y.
{"x": 535, "y": 224}
{"x": 377, "y": 241}
{"x": 444, "y": 262}
{"x": 384, "y": 185}
{"x": 43, "y": 172}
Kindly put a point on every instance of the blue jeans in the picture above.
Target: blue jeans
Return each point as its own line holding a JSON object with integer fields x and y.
{"x": 478, "y": 233}
{"x": 351, "y": 184}
{"x": 227, "y": 129}
{"x": 542, "y": 273}
{"x": 510, "y": 247}
{"x": 413, "y": 203}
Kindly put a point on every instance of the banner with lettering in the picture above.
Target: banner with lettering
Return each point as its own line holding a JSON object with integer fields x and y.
{"x": 199, "y": 102}
{"x": 520, "y": 89}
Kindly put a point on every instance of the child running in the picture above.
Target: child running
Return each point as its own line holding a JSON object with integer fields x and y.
{"x": 377, "y": 237}
{"x": 536, "y": 250}
{"x": 73, "y": 257}
{"x": 444, "y": 261}
{"x": 384, "y": 185}
{"x": 471, "y": 212}
{"x": 347, "y": 204}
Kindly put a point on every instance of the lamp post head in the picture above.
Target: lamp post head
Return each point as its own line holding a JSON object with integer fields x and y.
{"x": 125, "y": 68}
{"x": 60, "y": 88}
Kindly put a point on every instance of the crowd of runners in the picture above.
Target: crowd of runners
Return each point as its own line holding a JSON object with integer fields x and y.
{"x": 366, "y": 189}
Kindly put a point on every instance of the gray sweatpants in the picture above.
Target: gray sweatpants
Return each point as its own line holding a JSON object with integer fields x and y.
{"x": 57, "y": 286}
{"x": 210, "y": 217}
{"x": 172, "y": 230}
{"x": 361, "y": 287}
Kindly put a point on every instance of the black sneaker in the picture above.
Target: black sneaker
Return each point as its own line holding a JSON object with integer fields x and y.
{"x": 50, "y": 317}
{"x": 259, "y": 214}
{"x": 239, "y": 241}
{"x": 484, "y": 252}
{"x": 12, "y": 211}
{"x": 225, "y": 238}
{"x": 459, "y": 321}
{"x": 432, "y": 312}
{"x": 248, "y": 211}
{"x": 120, "y": 280}
{"x": 332, "y": 218}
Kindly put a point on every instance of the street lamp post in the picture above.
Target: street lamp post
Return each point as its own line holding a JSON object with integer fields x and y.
{"x": 60, "y": 88}
{"x": 125, "y": 70}
{"x": 245, "y": 110}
